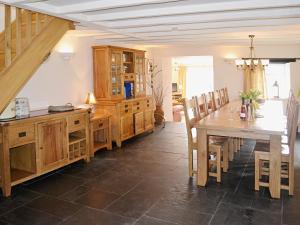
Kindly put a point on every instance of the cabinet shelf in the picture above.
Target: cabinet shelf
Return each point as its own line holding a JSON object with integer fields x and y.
{"x": 18, "y": 176}
{"x": 99, "y": 145}
{"x": 73, "y": 140}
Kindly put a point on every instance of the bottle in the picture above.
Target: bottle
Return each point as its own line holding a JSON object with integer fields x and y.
{"x": 243, "y": 112}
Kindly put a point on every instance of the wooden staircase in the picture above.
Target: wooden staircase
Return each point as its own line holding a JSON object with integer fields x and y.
{"x": 25, "y": 43}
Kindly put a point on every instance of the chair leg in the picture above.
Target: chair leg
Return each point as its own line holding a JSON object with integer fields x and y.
{"x": 291, "y": 177}
{"x": 225, "y": 156}
{"x": 261, "y": 164}
{"x": 190, "y": 161}
{"x": 257, "y": 172}
{"x": 234, "y": 145}
{"x": 219, "y": 168}
{"x": 231, "y": 149}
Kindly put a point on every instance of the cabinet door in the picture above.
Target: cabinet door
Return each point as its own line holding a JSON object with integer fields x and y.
{"x": 127, "y": 130}
{"x": 139, "y": 123}
{"x": 140, "y": 78}
{"x": 149, "y": 121}
{"x": 116, "y": 74}
{"x": 52, "y": 144}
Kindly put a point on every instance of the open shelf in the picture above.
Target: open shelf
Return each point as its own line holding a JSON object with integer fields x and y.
{"x": 22, "y": 163}
{"x": 19, "y": 176}
{"x": 77, "y": 144}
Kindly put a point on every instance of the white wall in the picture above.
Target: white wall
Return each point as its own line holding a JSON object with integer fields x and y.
{"x": 59, "y": 81}
{"x": 225, "y": 74}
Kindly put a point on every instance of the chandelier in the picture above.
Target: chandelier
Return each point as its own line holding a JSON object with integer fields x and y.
{"x": 252, "y": 62}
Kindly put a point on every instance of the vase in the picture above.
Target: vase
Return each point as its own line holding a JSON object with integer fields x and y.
{"x": 159, "y": 115}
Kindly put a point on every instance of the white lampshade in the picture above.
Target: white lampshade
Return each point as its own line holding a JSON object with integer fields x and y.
{"x": 90, "y": 98}
{"x": 239, "y": 62}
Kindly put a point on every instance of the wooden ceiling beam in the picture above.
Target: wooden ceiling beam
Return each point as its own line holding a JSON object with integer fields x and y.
{"x": 189, "y": 7}
{"x": 205, "y": 17}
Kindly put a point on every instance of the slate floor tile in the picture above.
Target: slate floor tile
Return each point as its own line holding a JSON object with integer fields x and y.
{"x": 97, "y": 199}
{"x": 180, "y": 215}
{"x": 87, "y": 216}
{"x": 55, "y": 207}
{"x": 55, "y": 185}
{"x": 146, "y": 220}
{"x": 228, "y": 214}
{"x": 134, "y": 204}
{"x": 28, "y": 216}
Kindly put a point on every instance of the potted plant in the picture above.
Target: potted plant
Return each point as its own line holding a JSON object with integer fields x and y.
{"x": 158, "y": 93}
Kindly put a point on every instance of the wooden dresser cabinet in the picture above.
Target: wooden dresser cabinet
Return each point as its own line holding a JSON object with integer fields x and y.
{"x": 33, "y": 146}
{"x": 120, "y": 88}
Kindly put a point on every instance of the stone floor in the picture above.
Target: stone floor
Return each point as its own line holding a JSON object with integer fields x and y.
{"x": 146, "y": 183}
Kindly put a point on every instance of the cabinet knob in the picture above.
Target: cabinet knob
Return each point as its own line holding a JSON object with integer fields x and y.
{"x": 100, "y": 124}
{"x": 76, "y": 122}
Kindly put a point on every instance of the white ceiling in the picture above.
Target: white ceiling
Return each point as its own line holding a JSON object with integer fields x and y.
{"x": 178, "y": 22}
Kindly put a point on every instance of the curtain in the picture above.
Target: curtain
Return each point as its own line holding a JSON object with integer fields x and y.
{"x": 182, "y": 79}
{"x": 255, "y": 79}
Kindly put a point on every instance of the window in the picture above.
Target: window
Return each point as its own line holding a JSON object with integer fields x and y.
{"x": 281, "y": 74}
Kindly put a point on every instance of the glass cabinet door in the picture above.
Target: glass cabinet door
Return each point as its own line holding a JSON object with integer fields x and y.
{"x": 140, "y": 74}
{"x": 116, "y": 74}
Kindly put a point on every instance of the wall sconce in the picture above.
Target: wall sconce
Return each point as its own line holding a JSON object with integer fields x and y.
{"x": 91, "y": 100}
{"x": 66, "y": 55}
{"x": 66, "y": 51}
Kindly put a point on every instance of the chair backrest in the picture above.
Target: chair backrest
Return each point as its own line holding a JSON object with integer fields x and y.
{"x": 222, "y": 97}
{"x": 191, "y": 116}
{"x": 202, "y": 106}
{"x": 217, "y": 99}
{"x": 226, "y": 95}
{"x": 289, "y": 110}
{"x": 293, "y": 131}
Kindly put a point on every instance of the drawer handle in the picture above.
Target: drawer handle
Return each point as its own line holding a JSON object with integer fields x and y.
{"x": 76, "y": 122}
{"x": 100, "y": 124}
{"x": 138, "y": 108}
{"x": 126, "y": 110}
{"x": 126, "y": 106}
{"x": 22, "y": 134}
{"x": 147, "y": 105}
{"x": 138, "y": 103}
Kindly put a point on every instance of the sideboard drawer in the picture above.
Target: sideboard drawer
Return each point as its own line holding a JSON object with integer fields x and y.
{"x": 125, "y": 108}
{"x": 99, "y": 124}
{"x": 20, "y": 135}
{"x": 76, "y": 122}
{"x": 137, "y": 106}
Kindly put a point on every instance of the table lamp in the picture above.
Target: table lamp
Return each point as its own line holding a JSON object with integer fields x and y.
{"x": 90, "y": 100}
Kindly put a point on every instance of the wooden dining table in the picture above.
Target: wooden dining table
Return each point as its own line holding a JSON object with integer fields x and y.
{"x": 269, "y": 124}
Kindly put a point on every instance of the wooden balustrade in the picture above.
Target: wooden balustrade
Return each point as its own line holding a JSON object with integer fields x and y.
{"x": 19, "y": 32}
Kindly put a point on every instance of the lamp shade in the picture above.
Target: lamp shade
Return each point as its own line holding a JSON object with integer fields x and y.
{"x": 90, "y": 98}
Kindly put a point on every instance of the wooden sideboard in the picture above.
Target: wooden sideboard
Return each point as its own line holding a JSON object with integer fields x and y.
{"x": 44, "y": 142}
{"x": 115, "y": 70}
{"x": 130, "y": 117}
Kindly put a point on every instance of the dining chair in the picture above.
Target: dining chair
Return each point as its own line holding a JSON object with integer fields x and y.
{"x": 215, "y": 149}
{"x": 226, "y": 95}
{"x": 262, "y": 155}
{"x": 224, "y": 141}
{"x": 222, "y": 96}
{"x": 234, "y": 143}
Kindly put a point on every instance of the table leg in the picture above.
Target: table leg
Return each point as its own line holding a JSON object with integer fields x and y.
{"x": 275, "y": 166}
{"x": 5, "y": 164}
{"x": 202, "y": 157}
